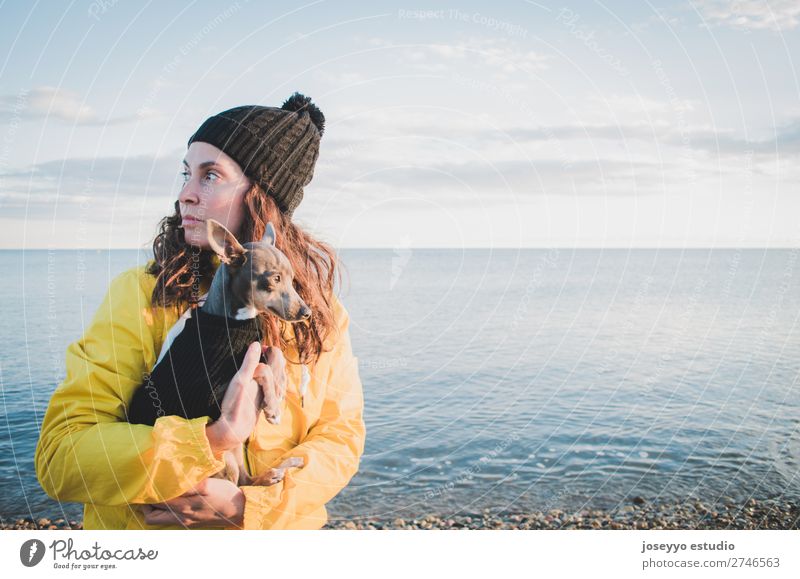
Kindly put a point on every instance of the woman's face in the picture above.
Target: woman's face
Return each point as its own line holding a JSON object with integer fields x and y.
{"x": 214, "y": 187}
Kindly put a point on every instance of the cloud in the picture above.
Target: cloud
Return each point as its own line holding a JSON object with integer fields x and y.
{"x": 47, "y": 102}
{"x": 340, "y": 78}
{"x": 423, "y": 152}
{"x": 652, "y": 133}
{"x": 786, "y": 141}
{"x": 492, "y": 52}
{"x": 777, "y": 15}
{"x": 660, "y": 17}
{"x": 500, "y": 56}
{"x": 96, "y": 179}
{"x": 717, "y": 142}
{"x": 482, "y": 182}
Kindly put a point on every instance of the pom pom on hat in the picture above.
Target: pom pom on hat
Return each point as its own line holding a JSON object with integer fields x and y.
{"x": 299, "y": 103}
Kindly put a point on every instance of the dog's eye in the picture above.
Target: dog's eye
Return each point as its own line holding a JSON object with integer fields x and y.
{"x": 277, "y": 279}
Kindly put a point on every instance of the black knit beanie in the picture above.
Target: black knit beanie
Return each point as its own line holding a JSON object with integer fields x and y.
{"x": 275, "y": 147}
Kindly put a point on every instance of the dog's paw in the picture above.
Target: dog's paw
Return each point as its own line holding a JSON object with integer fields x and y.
{"x": 272, "y": 410}
{"x": 269, "y": 477}
{"x": 293, "y": 462}
{"x": 275, "y": 475}
{"x": 273, "y": 416}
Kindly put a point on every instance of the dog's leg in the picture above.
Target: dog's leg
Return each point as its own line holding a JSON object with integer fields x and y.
{"x": 271, "y": 401}
{"x": 232, "y": 469}
{"x": 243, "y": 478}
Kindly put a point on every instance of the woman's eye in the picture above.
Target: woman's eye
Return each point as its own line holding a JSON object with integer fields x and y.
{"x": 211, "y": 174}
{"x": 185, "y": 175}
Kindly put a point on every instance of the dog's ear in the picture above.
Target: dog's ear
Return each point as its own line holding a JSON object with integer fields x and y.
{"x": 269, "y": 234}
{"x": 225, "y": 244}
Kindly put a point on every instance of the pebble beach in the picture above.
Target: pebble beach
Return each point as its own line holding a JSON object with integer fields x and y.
{"x": 640, "y": 514}
{"x": 695, "y": 515}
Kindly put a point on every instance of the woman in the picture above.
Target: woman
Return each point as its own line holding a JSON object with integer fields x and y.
{"x": 244, "y": 167}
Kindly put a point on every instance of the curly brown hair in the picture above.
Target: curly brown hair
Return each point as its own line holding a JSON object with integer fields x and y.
{"x": 180, "y": 268}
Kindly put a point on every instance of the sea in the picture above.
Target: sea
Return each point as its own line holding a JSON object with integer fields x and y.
{"x": 507, "y": 380}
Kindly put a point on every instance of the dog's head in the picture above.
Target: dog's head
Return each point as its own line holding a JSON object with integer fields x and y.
{"x": 260, "y": 274}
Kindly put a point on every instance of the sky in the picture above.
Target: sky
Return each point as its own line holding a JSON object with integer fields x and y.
{"x": 451, "y": 124}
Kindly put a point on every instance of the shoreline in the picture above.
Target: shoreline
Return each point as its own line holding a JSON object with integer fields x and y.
{"x": 640, "y": 514}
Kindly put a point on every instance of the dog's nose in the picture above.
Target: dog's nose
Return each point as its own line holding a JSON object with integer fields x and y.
{"x": 304, "y": 313}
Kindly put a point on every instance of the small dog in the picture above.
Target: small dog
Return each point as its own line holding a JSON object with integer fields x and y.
{"x": 252, "y": 278}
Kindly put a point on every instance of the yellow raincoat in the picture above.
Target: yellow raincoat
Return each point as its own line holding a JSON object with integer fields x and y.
{"x": 87, "y": 453}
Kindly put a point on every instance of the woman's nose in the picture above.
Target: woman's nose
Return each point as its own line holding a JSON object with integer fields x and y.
{"x": 189, "y": 193}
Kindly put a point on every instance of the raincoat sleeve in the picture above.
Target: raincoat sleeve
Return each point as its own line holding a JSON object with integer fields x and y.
{"x": 86, "y": 451}
{"x": 331, "y": 450}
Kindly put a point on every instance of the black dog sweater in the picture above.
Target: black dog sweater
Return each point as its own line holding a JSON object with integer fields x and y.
{"x": 203, "y": 358}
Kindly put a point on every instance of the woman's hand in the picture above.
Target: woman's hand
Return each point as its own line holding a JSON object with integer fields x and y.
{"x": 240, "y": 405}
{"x": 215, "y": 502}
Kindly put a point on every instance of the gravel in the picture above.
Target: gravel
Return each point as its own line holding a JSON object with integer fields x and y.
{"x": 690, "y": 515}
{"x": 47, "y": 524}
{"x": 640, "y": 514}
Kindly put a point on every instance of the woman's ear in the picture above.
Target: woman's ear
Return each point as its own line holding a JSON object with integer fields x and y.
{"x": 224, "y": 243}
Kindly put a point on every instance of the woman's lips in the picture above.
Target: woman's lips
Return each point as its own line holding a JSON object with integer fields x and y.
{"x": 190, "y": 220}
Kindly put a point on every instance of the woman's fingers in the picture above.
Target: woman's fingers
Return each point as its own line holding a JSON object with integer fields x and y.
{"x": 251, "y": 361}
{"x": 154, "y": 516}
